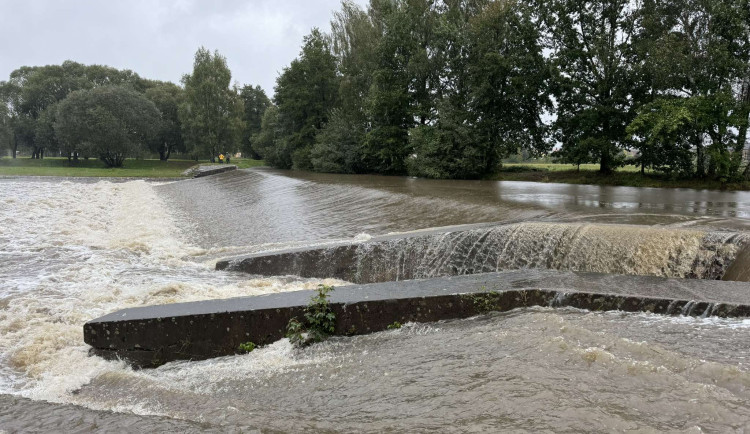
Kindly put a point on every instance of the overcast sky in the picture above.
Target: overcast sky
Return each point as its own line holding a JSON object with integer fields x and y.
{"x": 158, "y": 38}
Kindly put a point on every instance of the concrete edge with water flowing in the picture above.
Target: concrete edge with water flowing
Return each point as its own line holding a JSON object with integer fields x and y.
{"x": 154, "y": 335}
{"x": 445, "y": 274}
{"x": 483, "y": 248}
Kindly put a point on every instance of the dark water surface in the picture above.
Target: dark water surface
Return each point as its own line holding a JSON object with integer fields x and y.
{"x": 264, "y": 205}
{"x": 72, "y": 251}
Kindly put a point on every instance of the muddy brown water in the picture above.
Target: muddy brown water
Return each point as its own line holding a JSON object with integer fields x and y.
{"x": 71, "y": 251}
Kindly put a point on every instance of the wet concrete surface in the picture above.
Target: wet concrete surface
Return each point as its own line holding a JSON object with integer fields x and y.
{"x": 153, "y": 335}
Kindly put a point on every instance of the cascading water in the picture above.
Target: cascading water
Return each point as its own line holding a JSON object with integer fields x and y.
{"x": 70, "y": 252}
{"x": 618, "y": 249}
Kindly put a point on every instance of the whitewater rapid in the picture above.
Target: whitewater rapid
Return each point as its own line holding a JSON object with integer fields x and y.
{"x": 73, "y": 251}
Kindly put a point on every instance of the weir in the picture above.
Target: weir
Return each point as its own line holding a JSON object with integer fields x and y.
{"x": 602, "y": 248}
{"x": 154, "y": 335}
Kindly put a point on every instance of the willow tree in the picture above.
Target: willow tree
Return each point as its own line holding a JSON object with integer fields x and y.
{"x": 211, "y": 114}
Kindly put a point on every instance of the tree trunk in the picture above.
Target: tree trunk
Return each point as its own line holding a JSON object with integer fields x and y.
{"x": 741, "y": 144}
{"x": 604, "y": 163}
{"x": 700, "y": 169}
{"x": 14, "y": 145}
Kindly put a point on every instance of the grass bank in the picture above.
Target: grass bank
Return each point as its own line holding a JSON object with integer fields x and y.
{"x": 629, "y": 176}
{"x": 95, "y": 168}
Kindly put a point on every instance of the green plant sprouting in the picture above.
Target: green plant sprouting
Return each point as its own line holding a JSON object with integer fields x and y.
{"x": 320, "y": 321}
{"x": 247, "y": 347}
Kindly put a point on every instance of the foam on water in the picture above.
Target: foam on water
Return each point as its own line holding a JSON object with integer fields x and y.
{"x": 70, "y": 252}
{"x": 74, "y": 251}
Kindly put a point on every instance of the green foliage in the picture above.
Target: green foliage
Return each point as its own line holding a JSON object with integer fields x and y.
{"x": 695, "y": 55}
{"x": 485, "y": 302}
{"x": 247, "y": 347}
{"x": 337, "y": 144}
{"x": 395, "y": 325}
{"x": 109, "y": 122}
{"x": 662, "y": 132}
{"x": 167, "y": 97}
{"x": 255, "y": 103}
{"x": 266, "y": 142}
{"x": 211, "y": 114}
{"x": 319, "y": 320}
{"x": 295, "y": 332}
{"x": 305, "y": 93}
{"x": 32, "y": 92}
{"x": 594, "y": 77}
{"x": 509, "y": 82}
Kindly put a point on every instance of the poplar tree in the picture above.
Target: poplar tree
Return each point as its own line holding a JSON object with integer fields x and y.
{"x": 211, "y": 114}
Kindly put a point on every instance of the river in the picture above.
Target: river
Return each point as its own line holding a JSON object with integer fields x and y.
{"x": 74, "y": 250}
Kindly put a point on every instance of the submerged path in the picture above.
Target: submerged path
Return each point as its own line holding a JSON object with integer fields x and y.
{"x": 153, "y": 335}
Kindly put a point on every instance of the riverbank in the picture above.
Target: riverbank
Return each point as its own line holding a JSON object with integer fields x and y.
{"x": 94, "y": 168}
{"x": 628, "y": 176}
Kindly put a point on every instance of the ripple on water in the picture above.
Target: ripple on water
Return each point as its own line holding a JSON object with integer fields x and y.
{"x": 100, "y": 246}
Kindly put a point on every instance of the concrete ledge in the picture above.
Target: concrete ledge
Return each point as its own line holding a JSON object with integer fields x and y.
{"x": 202, "y": 171}
{"x": 489, "y": 248}
{"x": 153, "y": 335}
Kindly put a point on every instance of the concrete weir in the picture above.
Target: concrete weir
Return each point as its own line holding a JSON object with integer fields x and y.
{"x": 471, "y": 249}
{"x": 154, "y": 335}
{"x": 202, "y": 171}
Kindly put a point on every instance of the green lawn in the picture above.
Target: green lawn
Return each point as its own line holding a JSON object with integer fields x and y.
{"x": 554, "y": 167}
{"x": 95, "y": 168}
{"x": 589, "y": 174}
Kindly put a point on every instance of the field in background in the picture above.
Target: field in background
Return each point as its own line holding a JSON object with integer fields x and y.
{"x": 94, "y": 168}
{"x": 555, "y": 167}
{"x": 629, "y": 176}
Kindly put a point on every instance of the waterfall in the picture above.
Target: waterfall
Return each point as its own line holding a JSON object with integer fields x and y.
{"x": 601, "y": 248}
{"x": 617, "y": 249}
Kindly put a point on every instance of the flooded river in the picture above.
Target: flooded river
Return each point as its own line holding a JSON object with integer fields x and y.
{"x": 72, "y": 251}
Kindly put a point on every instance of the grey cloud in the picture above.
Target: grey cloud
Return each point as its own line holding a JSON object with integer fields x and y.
{"x": 157, "y": 39}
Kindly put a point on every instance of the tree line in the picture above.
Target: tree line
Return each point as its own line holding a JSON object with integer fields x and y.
{"x": 78, "y": 110}
{"x": 449, "y": 88}
{"x": 433, "y": 88}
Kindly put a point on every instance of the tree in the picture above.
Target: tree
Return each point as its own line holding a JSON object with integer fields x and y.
{"x": 265, "y": 143}
{"x": 447, "y": 145}
{"x": 255, "y": 103}
{"x": 40, "y": 87}
{"x": 389, "y": 103}
{"x": 663, "y": 131}
{"x": 337, "y": 144}
{"x": 305, "y": 93}
{"x": 354, "y": 41}
{"x": 111, "y": 122}
{"x": 167, "y": 97}
{"x": 5, "y": 125}
{"x": 698, "y": 51}
{"x": 211, "y": 114}
{"x": 9, "y": 116}
{"x": 44, "y": 131}
{"x": 591, "y": 51}
{"x": 509, "y": 81}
